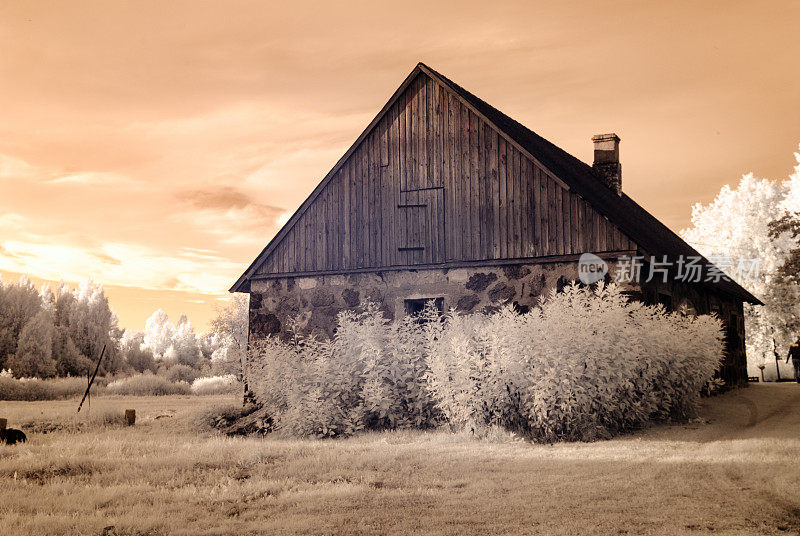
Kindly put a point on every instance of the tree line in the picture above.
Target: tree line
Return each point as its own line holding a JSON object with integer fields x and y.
{"x": 54, "y": 333}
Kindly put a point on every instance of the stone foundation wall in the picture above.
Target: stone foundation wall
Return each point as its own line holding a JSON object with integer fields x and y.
{"x": 314, "y": 302}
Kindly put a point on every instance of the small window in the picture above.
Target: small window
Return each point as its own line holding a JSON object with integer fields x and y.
{"x": 416, "y": 306}
{"x": 521, "y": 309}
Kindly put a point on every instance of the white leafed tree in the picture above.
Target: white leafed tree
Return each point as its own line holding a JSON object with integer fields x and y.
{"x": 135, "y": 353}
{"x": 158, "y": 331}
{"x": 170, "y": 343}
{"x": 735, "y": 226}
{"x": 228, "y": 335}
{"x": 184, "y": 349}
{"x": 92, "y": 324}
{"x": 48, "y": 298}
{"x": 74, "y": 325}
{"x": 34, "y": 355}
{"x": 19, "y": 304}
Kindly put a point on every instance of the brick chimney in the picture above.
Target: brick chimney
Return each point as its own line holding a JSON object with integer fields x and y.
{"x": 606, "y": 161}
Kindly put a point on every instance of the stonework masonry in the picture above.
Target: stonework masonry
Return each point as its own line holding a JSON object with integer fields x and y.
{"x": 312, "y": 303}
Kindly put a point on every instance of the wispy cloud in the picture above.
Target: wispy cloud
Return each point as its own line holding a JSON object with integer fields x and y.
{"x": 107, "y": 259}
{"x": 16, "y": 168}
{"x": 5, "y": 252}
{"x": 118, "y": 264}
{"x": 13, "y": 221}
{"x": 92, "y": 179}
{"x": 224, "y": 198}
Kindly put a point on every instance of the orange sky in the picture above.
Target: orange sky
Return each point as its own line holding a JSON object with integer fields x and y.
{"x": 155, "y": 147}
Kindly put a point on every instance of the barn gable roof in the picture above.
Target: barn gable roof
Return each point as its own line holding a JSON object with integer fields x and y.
{"x": 652, "y": 236}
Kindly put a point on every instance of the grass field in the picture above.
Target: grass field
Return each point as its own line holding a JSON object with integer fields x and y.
{"x": 736, "y": 472}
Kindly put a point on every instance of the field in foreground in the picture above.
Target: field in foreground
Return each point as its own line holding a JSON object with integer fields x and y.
{"x": 735, "y": 472}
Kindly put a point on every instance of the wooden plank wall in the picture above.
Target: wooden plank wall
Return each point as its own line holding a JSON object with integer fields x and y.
{"x": 434, "y": 183}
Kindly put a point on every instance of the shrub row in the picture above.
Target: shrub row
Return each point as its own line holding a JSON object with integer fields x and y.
{"x": 147, "y": 384}
{"x": 30, "y": 389}
{"x": 586, "y": 364}
{"x": 216, "y": 385}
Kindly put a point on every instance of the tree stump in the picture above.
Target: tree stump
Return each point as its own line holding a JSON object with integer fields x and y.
{"x": 3, "y": 423}
{"x": 130, "y": 417}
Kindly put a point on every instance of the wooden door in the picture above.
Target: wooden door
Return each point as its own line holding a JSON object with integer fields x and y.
{"x": 420, "y": 226}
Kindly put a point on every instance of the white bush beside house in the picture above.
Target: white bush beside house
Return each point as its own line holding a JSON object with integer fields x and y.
{"x": 586, "y": 364}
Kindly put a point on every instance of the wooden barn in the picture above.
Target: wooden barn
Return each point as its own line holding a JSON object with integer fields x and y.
{"x": 445, "y": 198}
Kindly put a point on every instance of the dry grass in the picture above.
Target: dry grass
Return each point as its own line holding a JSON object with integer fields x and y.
{"x": 37, "y": 389}
{"x": 737, "y": 474}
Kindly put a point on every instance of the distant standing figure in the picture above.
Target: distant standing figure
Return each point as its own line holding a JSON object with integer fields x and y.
{"x": 794, "y": 353}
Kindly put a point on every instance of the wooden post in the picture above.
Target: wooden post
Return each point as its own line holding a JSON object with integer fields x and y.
{"x": 130, "y": 417}
{"x": 3, "y": 423}
{"x": 91, "y": 380}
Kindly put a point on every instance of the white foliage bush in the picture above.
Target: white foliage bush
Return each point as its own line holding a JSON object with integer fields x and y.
{"x": 586, "y": 364}
{"x": 147, "y": 384}
{"x": 216, "y": 385}
{"x": 372, "y": 375}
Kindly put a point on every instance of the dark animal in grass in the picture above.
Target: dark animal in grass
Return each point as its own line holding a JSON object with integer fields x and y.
{"x": 11, "y": 435}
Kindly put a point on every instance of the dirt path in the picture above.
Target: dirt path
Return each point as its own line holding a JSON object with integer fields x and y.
{"x": 760, "y": 411}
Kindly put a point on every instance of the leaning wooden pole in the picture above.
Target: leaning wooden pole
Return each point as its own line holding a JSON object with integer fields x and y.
{"x": 91, "y": 381}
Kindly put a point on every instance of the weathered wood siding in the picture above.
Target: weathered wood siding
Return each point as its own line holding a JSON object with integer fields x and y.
{"x": 434, "y": 183}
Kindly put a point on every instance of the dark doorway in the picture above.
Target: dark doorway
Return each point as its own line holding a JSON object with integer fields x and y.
{"x": 416, "y": 306}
